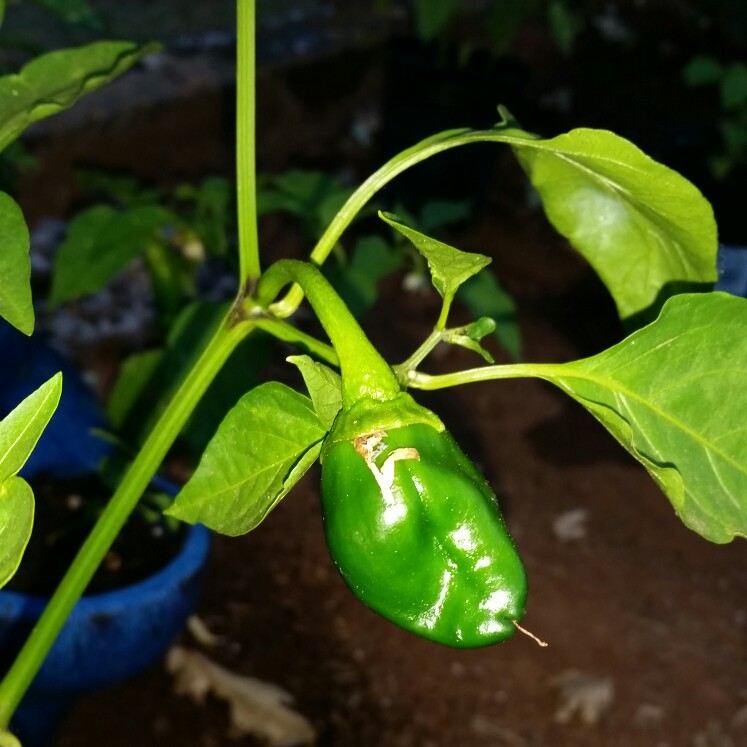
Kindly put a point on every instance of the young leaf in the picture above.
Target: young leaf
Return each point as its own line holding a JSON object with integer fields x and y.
{"x": 56, "y": 80}
{"x": 469, "y": 337}
{"x": 102, "y": 241}
{"x": 646, "y": 230}
{"x": 22, "y": 427}
{"x": 449, "y": 267}
{"x": 16, "y": 522}
{"x": 324, "y": 385}
{"x": 252, "y": 461}
{"x": 672, "y": 393}
{"x": 483, "y": 295}
{"x": 15, "y": 267}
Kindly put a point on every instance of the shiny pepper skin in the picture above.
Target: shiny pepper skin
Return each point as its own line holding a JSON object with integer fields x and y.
{"x": 417, "y": 534}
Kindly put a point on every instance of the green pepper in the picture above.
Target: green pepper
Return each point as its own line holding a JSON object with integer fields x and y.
{"x": 411, "y": 524}
{"x": 417, "y": 534}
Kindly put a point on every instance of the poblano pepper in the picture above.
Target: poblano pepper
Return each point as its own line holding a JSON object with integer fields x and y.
{"x": 411, "y": 524}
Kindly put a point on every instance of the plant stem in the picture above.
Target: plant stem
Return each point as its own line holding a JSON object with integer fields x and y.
{"x": 246, "y": 178}
{"x": 502, "y": 132}
{"x": 288, "y": 333}
{"x": 418, "y": 380}
{"x": 364, "y": 372}
{"x": 121, "y": 504}
{"x": 444, "y": 315}
{"x": 404, "y": 370}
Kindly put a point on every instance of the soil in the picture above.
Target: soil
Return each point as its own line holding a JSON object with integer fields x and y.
{"x": 650, "y": 618}
{"x": 70, "y": 507}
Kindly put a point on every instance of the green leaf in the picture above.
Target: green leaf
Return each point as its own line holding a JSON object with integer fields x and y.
{"x": 22, "y": 428}
{"x": 436, "y": 215}
{"x": 16, "y": 522}
{"x": 252, "y": 461}
{"x": 673, "y": 394}
{"x": 324, "y": 385}
{"x": 15, "y": 267}
{"x": 135, "y": 376}
{"x": 212, "y": 214}
{"x": 357, "y": 280}
{"x": 646, "y": 230}
{"x": 55, "y": 81}
{"x": 125, "y": 191}
{"x": 469, "y": 336}
{"x": 702, "y": 70}
{"x": 449, "y": 267}
{"x": 484, "y": 296}
{"x": 6, "y": 738}
{"x": 504, "y": 21}
{"x": 734, "y": 86}
{"x": 73, "y": 11}
{"x": 565, "y": 25}
{"x": 300, "y": 468}
{"x": 314, "y": 196}
{"x": 100, "y": 242}
{"x": 239, "y": 374}
{"x": 147, "y": 380}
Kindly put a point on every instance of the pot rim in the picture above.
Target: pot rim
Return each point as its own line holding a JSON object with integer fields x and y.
{"x": 190, "y": 557}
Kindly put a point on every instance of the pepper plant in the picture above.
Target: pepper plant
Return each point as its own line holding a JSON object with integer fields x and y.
{"x": 413, "y": 527}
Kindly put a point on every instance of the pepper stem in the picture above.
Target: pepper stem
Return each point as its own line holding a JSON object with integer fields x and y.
{"x": 531, "y": 635}
{"x": 365, "y": 374}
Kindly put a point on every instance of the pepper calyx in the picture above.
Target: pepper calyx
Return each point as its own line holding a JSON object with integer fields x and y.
{"x": 369, "y": 416}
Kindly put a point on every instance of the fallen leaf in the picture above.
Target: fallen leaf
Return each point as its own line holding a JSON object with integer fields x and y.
{"x": 256, "y": 707}
{"x": 201, "y": 633}
{"x": 571, "y": 525}
{"x": 582, "y": 694}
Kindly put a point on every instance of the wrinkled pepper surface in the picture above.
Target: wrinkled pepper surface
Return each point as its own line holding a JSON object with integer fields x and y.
{"x": 416, "y": 531}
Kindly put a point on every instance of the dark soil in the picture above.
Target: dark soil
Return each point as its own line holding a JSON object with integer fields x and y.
{"x": 68, "y": 511}
{"x": 638, "y": 601}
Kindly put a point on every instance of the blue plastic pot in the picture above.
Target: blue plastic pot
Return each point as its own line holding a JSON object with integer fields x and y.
{"x": 108, "y": 637}
{"x": 732, "y": 266}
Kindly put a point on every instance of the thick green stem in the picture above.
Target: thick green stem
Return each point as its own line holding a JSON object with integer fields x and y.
{"x": 246, "y": 178}
{"x": 124, "y": 500}
{"x": 365, "y": 374}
